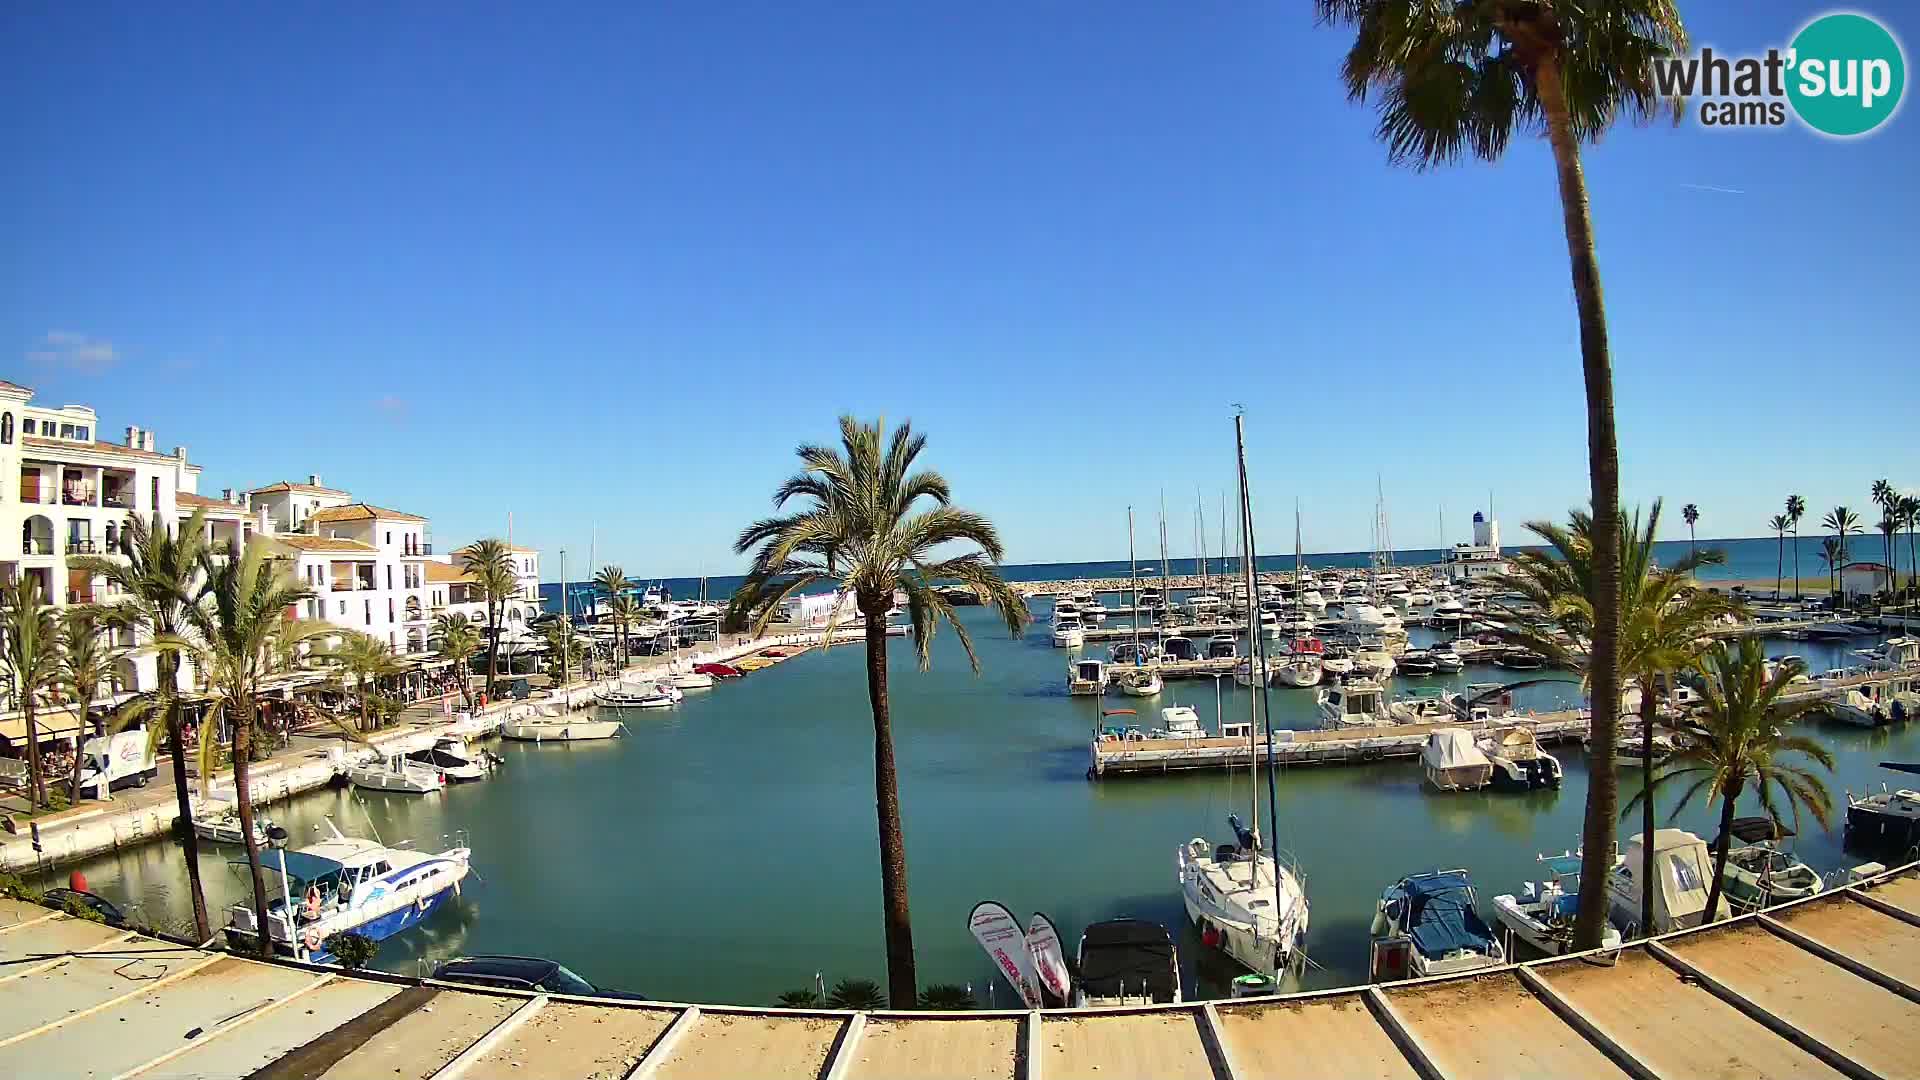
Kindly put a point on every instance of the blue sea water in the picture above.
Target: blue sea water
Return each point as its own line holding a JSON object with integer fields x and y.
{"x": 1749, "y": 559}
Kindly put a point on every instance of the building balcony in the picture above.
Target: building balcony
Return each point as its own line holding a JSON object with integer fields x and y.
{"x": 83, "y": 547}
{"x": 123, "y": 501}
{"x": 36, "y": 547}
{"x": 418, "y": 549}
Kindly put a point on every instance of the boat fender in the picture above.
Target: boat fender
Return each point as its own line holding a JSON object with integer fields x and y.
{"x": 1210, "y": 936}
{"x": 312, "y": 939}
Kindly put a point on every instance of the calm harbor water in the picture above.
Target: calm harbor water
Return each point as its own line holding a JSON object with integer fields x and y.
{"x": 725, "y": 850}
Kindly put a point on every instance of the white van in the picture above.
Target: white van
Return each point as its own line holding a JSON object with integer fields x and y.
{"x": 117, "y": 761}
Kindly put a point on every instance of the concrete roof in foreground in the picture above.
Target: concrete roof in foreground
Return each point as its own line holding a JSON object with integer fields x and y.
{"x": 1822, "y": 988}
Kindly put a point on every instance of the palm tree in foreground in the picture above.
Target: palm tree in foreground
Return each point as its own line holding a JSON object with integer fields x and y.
{"x": 1662, "y": 621}
{"x": 1454, "y": 80}
{"x": 1740, "y": 741}
{"x": 160, "y": 577}
{"x": 242, "y": 635}
{"x": 1778, "y": 523}
{"x": 456, "y": 640}
{"x": 864, "y": 529}
{"x": 1796, "y": 509}
{"x": 87, "y": 658}
{"x": 489, "y": 563}
{"x": 29, "y": 665}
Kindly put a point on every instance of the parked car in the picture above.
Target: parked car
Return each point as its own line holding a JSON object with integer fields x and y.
{"x": 64, "y": 898}
{"x": 529, "y": 973}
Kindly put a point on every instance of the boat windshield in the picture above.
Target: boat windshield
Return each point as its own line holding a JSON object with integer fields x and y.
{"x": 563, "y": 981}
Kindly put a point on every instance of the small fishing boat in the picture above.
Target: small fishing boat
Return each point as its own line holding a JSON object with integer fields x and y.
{"x": 719, "y": 671}
{"x": 551, "y": 725}
{"x": 1446, "y": 661}
{"x": 1884, "y": 820}
{"x": 1518, "y": 762}
{"x": 1453, "y": 763}
{"x": 1519, "y": 659}
{"x": 457, "y": 761}
{"x": 1356, "y": 703}
{"x": 1426, "y": 924}
{"x": 1068, "y": 633}
{"x": 1138, "y": 682}
{"x": 1126, "y": 962}
{"x": 1543, "y": 913}
{"x": 690, "y": 680}
{"x": 1180, "y": 722}
{"x": 659, "y": 695}
{"x": 1680, "y": 885}
{"x": 1087, "y": 678}
{"x": 1416, "y": 662}
{"x": 396, "y": 774}
{"x": 1759, "y": 873}
{"x": 219, "y": 822}
{"x": 345, "y": 883}
{"x": 1423, "y": 705}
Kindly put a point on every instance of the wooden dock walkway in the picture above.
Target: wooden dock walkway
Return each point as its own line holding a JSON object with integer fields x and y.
{"x": 1132, "y": 757}
{"x": 1828, "y": 986}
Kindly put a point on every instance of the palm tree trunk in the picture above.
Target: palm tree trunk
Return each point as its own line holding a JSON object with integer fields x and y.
{"x": 1646, "y": 801}
{"x": 37, "y": 790}
{"x": 1721, "y": 845}
{"x": 1603, "y": 463}
{"x": 493, "y": 646}
{"x": 1796, "y": 561}
{"x": 1779, "y": 566}
{"x": 243, "y": 798}
{"x": 79, "y": 743}
{"x": 901, "y": 982}
{"x": 169, "y": 670}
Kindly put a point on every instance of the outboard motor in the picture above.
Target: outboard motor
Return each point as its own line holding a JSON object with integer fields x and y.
{"x": 277, "y": 838}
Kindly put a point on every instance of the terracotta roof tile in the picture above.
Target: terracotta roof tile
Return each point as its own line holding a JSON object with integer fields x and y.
{"x": 284, "y": 486}
{"x": 444, "y": 573}
{"x": 95, "y": 447}
{"x": 361, "y": 512}
{"x": 322, "y": 543}
{"x": 188, "y": 499}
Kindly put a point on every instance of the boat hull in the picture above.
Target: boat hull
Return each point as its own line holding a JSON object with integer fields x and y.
{"x": 573, "y": 731}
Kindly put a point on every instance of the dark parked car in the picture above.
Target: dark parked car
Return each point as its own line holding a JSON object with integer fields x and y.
{"x": 522, "y": 973}
{"x": 62, "y": 898}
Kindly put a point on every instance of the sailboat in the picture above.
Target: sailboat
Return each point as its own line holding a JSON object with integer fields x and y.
{"x": 1139, "y": 680}
{"x": 1305, "y": 660}
{"x": 1243, "y": 900}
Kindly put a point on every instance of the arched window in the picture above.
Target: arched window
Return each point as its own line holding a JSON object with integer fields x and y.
{"x": 6, "y": 428}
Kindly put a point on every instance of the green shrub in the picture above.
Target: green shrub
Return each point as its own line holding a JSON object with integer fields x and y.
{"x": 947, "y": 997}
{"x": 350, "y": 949}
{"x": 856, "y": 994}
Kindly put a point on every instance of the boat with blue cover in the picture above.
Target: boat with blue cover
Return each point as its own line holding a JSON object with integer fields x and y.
{"x": 345, "y": 883}
{"x": 1426, "y": 924}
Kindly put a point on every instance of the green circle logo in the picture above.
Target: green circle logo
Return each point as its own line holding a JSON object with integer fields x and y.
{"x": 1845, "y": 74}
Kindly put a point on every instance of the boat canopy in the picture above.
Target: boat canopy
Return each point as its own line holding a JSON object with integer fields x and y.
{"x": 305, "y": 868}
{"x": 1453, "y": 748}
{"x": 1441, "y": 916}
{"x": 1127, "y": 955}
{"x": 1753, "y": 830}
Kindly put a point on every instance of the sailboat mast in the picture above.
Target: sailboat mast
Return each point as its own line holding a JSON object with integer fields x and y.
{"x": 1166, "y": 580}
{"x": 1133, "y": 572}
{"x": 1273, "y": 794}
{"x": 1256, "y": 667}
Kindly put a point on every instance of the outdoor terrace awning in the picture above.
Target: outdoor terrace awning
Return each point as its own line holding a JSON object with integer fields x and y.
{"x": 58, "y": 723}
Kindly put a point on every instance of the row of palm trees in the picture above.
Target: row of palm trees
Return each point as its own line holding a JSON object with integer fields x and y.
{"x": 1898, "y": 512}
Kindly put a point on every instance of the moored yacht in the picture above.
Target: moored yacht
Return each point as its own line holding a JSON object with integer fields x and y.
{"x": 1303, "y": 664}
{"x": 1230, "y": 892}
{"x": 552, "y": 725}
{"x": 1453, "y": 763}
{"x": 394, "y": 773}
{"x": 1760, "y": 873}
{"x": 1428, "y": 924}
{"x": 1126, "y": 962}
{"x": 1068, "y": 633}
{"x": 1355, "y": 703}
{"x": 456, "y": 761}
{"x": 1684, "y": 871}
{"x": 1543, "y": 913}
{"x": 1138, "y": 681}
{"x": 1087, "y": 677}
{"x": 1518, "y": 762}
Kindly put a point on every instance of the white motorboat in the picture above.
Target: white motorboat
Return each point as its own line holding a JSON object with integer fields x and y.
{"x": 457, "y": 761}
{"x": 1336, "y": 661}
{"x": 1181, "y": 722}
{"x": 1428, "y": 924}
{"x": 1453, "y": 763}
{"x": 1224, "y": 647}
{"x": 1312, "y": 600}
{"x": 1138, "y": 682}
{"x": 1416, "y": 662}
{"x": 1126, "y": 962}
{"x": 1365, "y": 619}
{"x": 689, "y": 680}
{"x": 1685, "y": 867}
{"x": 1303, "y": 664}
{"x": 219, "y": 822}
{"x": 1179, "y": 648}
{"x": 1446, "y": 661}
{"x": 1855, "y": 708}
{"x": 1203, "y": 606}
{"x": 1893, "y": 654}
{"x": 1373, "y": 660}
{"x": 1134, "y": 653}
{"x": 551, "y": 725}
{"x": 1884, "y": 820}
{"x": 1068, "y": 632}
{"x": 1518, "y": 762}
{"x": 1543, "y": 913}
{"x": 395, "y": 773}
{"x": 1087, "y": 678}
{"x": 1759, "y": 873}
{"x": 1356, "y": 703}
{"x": 659, "y": 695}
{"x": 1423, "y": 705}
{"x": 346, "y": 883}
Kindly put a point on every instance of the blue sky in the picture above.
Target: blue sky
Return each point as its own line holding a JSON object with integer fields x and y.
{"x": 608, "y": 265}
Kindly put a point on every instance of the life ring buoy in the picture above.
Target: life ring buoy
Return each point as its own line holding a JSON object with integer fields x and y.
{"x": 312, "y": 939}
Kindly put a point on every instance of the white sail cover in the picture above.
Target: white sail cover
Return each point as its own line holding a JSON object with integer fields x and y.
{"x": 995, "y": 928}
{"x": 1043, "y": 941}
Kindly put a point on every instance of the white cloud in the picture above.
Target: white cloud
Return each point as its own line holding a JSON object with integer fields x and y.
{"x": 74, "y": 352}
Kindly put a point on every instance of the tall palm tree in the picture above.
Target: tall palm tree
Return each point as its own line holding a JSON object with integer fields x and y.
{"x": 29, "y": 665}
{"x": 1889, "y": 528}
{"x": 1887, "y": 499}
{"x": 489, "y": 563}
{"x": 1740, "y": 741}
{"x": 1910, "y": 517}
{"x": 1690, "y": 514}
{"x": 613, "y": 581}
{"x": 242, "y": 632}
{"x": 1778, "y": 523}
{"x": 456, "y": 640}
{"x": 159, "y": 574}
{"x": 864, "y": 529}
{"x": 1796, "y": 509}
{"x": 1834, "y": 556}
{"x": 626, "y": 612}
{"x": 1843, "y": 522}
{"x": 1663, "y": 621}
{"x": 87, "y": 658}
{"x": 1456, "y": 80}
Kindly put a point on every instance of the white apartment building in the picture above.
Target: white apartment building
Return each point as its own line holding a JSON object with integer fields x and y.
{"x": 452, "y": 592}
{"x": 65, "y": 493}
{"x": 367, "y": 564}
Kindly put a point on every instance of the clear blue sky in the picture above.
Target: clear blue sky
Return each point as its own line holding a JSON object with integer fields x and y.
{"x": 608, "y": 265}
